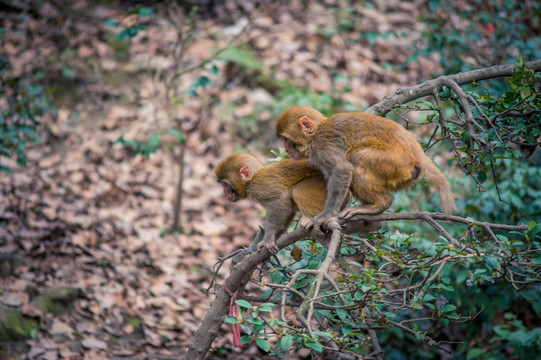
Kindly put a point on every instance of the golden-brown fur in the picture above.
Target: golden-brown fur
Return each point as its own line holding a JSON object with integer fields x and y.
{"x": 368, "y": 154}
{"x": 282, "y": 188}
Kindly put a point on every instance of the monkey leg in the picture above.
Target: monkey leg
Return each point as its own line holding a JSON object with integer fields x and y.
{"x": 309, "y": 195}
{"x": 371, "y": 191}
{"x": 385, "y": 168}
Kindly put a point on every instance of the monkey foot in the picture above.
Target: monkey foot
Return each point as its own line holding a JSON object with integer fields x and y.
{"x": 348, "y": 213}
{"x": 306, "y": 223}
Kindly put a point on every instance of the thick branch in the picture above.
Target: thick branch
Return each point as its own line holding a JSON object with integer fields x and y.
{"x": 422, "y": 215}
{"x": 207, "y": 332}
{"x": 404, "y": 95}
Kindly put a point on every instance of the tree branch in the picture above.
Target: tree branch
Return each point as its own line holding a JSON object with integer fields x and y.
{"x": 404, "y": 95}
{"x": 207, "y": 332}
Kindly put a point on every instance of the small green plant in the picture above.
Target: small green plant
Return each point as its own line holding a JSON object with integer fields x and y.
{"x": 24, "y": 102}
{"x": 153, "y": 144}
{"x": 131, "y": 31}
{"x": 252, "y": 320}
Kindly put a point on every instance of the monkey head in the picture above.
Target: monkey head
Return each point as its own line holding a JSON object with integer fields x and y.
{"x": 295, "y": 127}
{"x": 235, "y": 173}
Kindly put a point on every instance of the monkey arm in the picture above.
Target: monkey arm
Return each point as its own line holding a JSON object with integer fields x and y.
{"x": 338, "y": 172}
{"x": 279, "y": 214}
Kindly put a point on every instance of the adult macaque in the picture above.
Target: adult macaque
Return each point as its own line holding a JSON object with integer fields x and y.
{"x": 281, "y": 188}
{"x": 367, "y": 154}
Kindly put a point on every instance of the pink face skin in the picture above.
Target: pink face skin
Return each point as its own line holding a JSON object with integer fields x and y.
{"x": 290, "y": 148}
{"x": 229, "y": 193}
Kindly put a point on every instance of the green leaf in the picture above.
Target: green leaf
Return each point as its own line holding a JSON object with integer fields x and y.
{"x": 68, "y": 72}
{"x": 342, "y": 314}
{"x": 146, "y": 12}
{"x": 475, "y": 353}
{"x": 214, "y": 70}
{"x": 325, "y": 313}
{"x": 121, "y": 35}
{"x": 492, "y": 261}
{"x": 314, "y": 346}
{"x": 180, "y": 137}
{"x": 286, "y": 341}
{"x": 243, "y": 57}
{"x": 481, "y": 176}
{"x": 266, "y": 307}
{"x": 155, "y": 139}
{"x": 390, "y": 315}
{"x": 448, "y": 308}
{"x": 111, "y": 22}
{"x": 525, "y": 92}
{"x": 203, "y": 81}
{"x": 263, "y": 344}
{"x": 231, "y": 320}
{"x": 244, "y": 304}
{"x": 245, "y": 339}
{"x": 534, "y": 228}
{"x": 433, "y": 5}
{"x": 313, "y": 263}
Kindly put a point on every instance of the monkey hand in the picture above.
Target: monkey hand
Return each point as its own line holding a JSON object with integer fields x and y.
{"x": 348, "y": 213}
{"x": 315, "y": 226}
{"x": 270, "y": 244}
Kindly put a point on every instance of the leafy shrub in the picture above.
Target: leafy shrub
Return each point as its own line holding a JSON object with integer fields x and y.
{"x": 23, "y": 102}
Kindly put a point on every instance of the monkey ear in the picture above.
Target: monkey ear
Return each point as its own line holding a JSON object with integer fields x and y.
{"x": 307, "y": 125}
{"x": 246, "y": 173}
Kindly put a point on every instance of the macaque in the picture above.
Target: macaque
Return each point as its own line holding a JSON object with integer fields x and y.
{"x": 281, "y": 188}
{"x": 367, "y": 154}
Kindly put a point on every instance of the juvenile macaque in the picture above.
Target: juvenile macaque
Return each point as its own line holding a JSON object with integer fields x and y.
{"x": 367, "y": 154}
{"x": 281, "y": 188}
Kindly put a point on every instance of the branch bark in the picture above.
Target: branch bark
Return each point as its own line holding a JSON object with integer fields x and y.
{"x": 404, "y": 95}
{"x": 207, "y": 332}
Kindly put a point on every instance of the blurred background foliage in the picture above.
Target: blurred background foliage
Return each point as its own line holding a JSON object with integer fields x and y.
{"x": 462, "y": 36}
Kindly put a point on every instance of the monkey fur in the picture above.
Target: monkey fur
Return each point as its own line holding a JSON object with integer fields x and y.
{"x": 281, "y": 188}
{"x": 365, "y": 153}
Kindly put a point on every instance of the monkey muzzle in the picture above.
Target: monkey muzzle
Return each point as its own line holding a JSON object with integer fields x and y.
{"x": 229, "y": 193}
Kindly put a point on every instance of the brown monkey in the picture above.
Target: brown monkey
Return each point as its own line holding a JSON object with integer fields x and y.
{"x": 282, "y": 188}
{"x": 368, "y": 154}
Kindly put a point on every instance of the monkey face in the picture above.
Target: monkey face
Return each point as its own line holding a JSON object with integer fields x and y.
{"x": 290, "y": 147}
{"x": 229, "y": 192}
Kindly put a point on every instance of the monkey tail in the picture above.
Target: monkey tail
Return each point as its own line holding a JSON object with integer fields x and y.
{"x": 436, "y": 179}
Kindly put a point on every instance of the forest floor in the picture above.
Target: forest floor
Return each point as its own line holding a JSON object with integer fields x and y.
{"x": 86, "y": 213}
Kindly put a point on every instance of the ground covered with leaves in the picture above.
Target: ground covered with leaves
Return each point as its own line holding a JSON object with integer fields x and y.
{"x": 86, "y": 214}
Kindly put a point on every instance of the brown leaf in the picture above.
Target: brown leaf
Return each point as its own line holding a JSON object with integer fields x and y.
{"x": 93, "y": 343}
